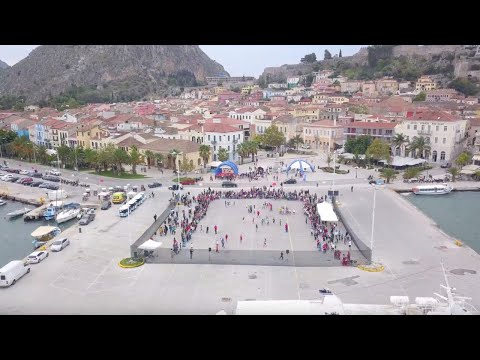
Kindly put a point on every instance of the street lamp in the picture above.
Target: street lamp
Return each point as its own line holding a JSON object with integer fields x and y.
{"x": 356, "y": 168}
{"x": 373, "y": 221}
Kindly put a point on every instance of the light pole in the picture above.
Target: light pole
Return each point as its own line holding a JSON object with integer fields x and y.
{"x": 373, "y": 222}
{"x": 356, "y": 168}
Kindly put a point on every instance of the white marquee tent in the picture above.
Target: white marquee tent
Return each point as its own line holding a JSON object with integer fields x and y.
{"x": 150, "y": 245}
{"x": 325, "y": 210}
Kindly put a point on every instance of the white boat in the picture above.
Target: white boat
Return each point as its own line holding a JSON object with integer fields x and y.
{"x": 45, "y": 233}
{"x": 18, "y": 212}
{"x": 67, "y": 215}
{"x": 438, "y": 189}
{"x": 3, "y": 202}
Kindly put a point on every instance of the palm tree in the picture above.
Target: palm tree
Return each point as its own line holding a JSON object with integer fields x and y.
{"x": 420, "y": 145}
{"x": 223, "y": 154}
{"x": 136, "y": 158}
{"x": 243, "y": 151}
{"x": 454, "y": 172}
{"x": 160, "y": 158}
{"x": 399, "y": 140}
{"x": 120, "y": 157}
{"x": 205, "y": 154}
{"x": 90, "y": 158}
{"x": 317, "y": 141}
{"x": 64, "y": 153}
{"x": 463, "y": 159}
{"x": 411, "y": 172}
{"x": 150, "y": 156}
{"x": 174, "y": 153}
{"x": 42, "y": 155}
{"x": 297, "y": 140}
{"x": 253, "y": 146}
{"x": 388, "y": 174}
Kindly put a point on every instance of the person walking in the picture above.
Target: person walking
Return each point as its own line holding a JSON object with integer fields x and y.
{"x": 286, "y": 227}
{"x": 206, "y": 230}
{"x": 191, "y": 252}
{"x": 223, "y": 243}
{"x": 216, "y": 246}
{"x": 241, "y": 238}
{"x": 349, "y": 245}
{"x": 215, "y": 228}
{"x": 351, "y": 189}
{"x": 265, "y": 242}
{"x": 281, "y": 255}
{"x": 154, "y": 217}
{"x": 226, "y": 237}
{"x": 256, "y": 227}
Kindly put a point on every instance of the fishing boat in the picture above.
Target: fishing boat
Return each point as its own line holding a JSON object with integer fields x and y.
{"x": 50, "y": 213}
{"x": 67, "y": 214}
{"x": 45, "y": 233}
{"x": 18, "y": 212}
{"x": 438, "y": 189}
{"x": 3, "y": 202}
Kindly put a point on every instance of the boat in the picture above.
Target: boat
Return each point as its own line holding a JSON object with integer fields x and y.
{"x": 18, "y": 213}
{"x": 3, "y": 202}
{"x": 67, "y": 214}
{"x": 50, "y": 213}
{"x": 45, "y": 233}
{"x": 438, "y": 189}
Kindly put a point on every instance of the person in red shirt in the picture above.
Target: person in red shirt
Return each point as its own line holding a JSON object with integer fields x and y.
{"x": 215, "y": 228}
{"x": 286, "y": 227}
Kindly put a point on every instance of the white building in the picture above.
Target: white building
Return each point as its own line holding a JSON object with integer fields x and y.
{"x": 224, "y": 136}
{"x": 445, "y": 133}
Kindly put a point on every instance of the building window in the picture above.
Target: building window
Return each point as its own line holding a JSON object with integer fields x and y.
{"x": 442, "y": 155}
{"x": 414, "y": 127}
{"x": 436, "y": 140}
{"x": 208, "y": 137}
{"x": 423, "y": 126}
{"x": 228, "y": 138}
{"x": 214, "y": 148}
{"x": 408, "y": 127}
{"x": 445, "y": 128}
{"x": 444, "y": 140}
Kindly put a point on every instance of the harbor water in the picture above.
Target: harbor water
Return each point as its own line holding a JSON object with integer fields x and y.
{"x": 455, "y": 213}
{"x": 15, "y": 239}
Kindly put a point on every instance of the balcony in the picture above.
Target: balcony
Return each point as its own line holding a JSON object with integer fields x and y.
{"x": 424, "y": 132}
{"x": 235, "y": 141}
{"x": 214, "y": 142}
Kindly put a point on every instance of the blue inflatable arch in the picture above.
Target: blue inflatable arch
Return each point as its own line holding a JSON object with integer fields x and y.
{"x": 229, "y": 164}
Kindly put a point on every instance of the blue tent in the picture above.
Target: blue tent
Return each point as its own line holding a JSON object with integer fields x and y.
{"x": 229, "y": 164}
{"x": 301, "y": 165}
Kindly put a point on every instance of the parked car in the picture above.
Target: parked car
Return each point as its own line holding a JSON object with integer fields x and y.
{"x": 175, "y": 187}
{"x": 87, "y": 219}
{"x": 54, "y": 172}
{"x": 60, "y": 244}
{"x": 188, "y": 182}
{"x": 36, "y": 174}
{"x": 446, "y": 166}
{"x": 51, "y": 178}
{"x": 154, "y": 185}
{"x": 13, "y": 271}
{"x": 36, "y": 257}
{"x": 7, "y": 177}
{"x": 36, "y": 183}
{"x": 106, "y": 205}
{"x": 229, "y": 184}
{"x": 27, "y": 181}
{"x": 377, "y": 182}
{"x": 44, "y": 185}
{"x": 16, "y": 171}
{"x": 13, "y": 179}
{"x": 24, "y": 172}
{"x": 52, "y": 186}
{"x": 290, "y": 181}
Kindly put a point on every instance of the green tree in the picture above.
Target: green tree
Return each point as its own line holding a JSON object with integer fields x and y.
{"x": 297, "y": 140}
{"x": 420, "y": 146}
{"x": 463, "y": 159}
{"x": 150, "y": 157}
{"x": 309, "y": 58}
{"x": 90, "y": 158}
{"x": 105, "y": 157}
{"x": 358, "y": 144}
{"x": 159, "y": 159}
{"x": 120, "y": 157}
{"x": 411, "y": 172}
{"x": 399, "y": 140}
{"x": 64, "y": 154}
{"x": 465, "y": 86}
{"x": 253, "y": 148}
{"x": 379, "y": 150}
{"x": 41, "y": 154}
{"x": 454, "y": 172}
{"x": 243, "y": 151}
{"x": 327, "y": 55}
{"x": 273, "y": 137}
{"x": 477, "y": 175}
{"x": 186, "y": 165}
{"x": 420, "y": 97}
{"x": 358, "y": 109}
{"x": 136, "y": 158}
{"x": 223, "y": 154}
{"x": 388, "y": 174}
{"x": 205, "y": 153}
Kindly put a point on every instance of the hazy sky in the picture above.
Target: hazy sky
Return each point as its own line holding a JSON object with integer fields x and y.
{"x": 238, "y": 60}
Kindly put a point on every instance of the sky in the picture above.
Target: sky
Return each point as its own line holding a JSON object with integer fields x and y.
{"x": 238, "y": 60}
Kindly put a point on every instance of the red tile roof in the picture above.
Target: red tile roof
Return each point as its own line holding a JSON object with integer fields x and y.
{"x": 431, "y": 115}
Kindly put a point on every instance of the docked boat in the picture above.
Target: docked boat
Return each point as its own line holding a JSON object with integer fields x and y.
{"x": 45, "y": 233}
{"x": 437, "y": 189}
{"x": 50, "y": 213}
{"x": 67, "y": 214}
{"x": 3, "y": 202}
{"x": 18, "y": 212}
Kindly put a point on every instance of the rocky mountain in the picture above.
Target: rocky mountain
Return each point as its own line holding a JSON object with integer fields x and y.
{"x": 115, "y": 72}
{"x": 403, "y": 62}
{"x": 3, "y": 65}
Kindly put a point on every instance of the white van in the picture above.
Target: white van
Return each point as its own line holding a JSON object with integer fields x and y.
{"x": 11, "y": 272}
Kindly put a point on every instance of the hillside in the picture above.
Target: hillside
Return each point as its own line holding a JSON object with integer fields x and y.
{"x": 3, "y": 65}
{"x": 403, "y": 62}
{"x": 106, "y": 72}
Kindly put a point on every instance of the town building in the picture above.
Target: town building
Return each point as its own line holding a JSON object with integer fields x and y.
{"x": 425, "y": 83}
{"x": 323, "y": 134}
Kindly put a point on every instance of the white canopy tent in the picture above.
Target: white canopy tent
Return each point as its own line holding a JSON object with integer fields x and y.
{"x": 325, "y": 210}
{"x": 399, "y": 161}
{"x": 469, "y": 169}
{"x": 214, "y": 164}
{"x": 150, "y": 245}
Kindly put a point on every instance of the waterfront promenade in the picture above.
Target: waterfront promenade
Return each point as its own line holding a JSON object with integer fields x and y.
{"x": 85, "y": 277}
